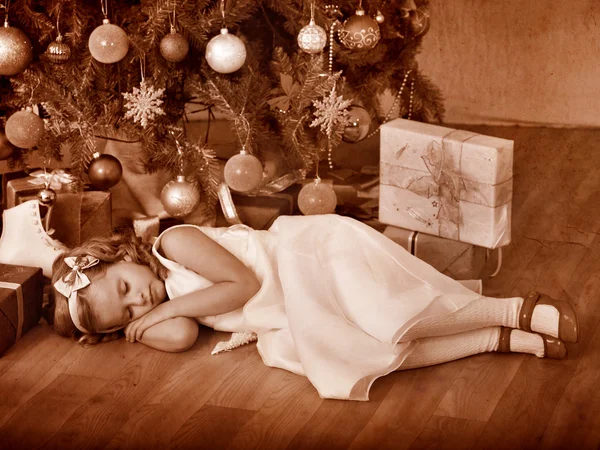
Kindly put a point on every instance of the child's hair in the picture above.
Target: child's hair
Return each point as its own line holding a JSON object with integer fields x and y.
{"x": 108, "y": 249}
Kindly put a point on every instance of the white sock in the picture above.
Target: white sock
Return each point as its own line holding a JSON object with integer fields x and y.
{"x": 544, "y": 319}
{"x": 437, "y": 350}
{"x": 524, "y": 342}
{"x": 481, "y": 313}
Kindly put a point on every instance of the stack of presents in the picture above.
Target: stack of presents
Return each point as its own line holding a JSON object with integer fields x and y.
{"x": 443, "y": 194}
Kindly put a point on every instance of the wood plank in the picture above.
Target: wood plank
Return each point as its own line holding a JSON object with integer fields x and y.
{"x": 96, "y": 421}
{"x": 27, "y": 342}
{"x": 40, "y": 417}
{"x": 211, "y": 427}
{"x": 449, "y": 433}
{"x": 337, "y": 422}
{"x": 186, "y": 391}
{"x": 408, "y": 407}
{"x": 285, "y": 412}
{"x": 479, "y": 387}
{"x": 520, "y": 418}
{"x": 249, "y": 386}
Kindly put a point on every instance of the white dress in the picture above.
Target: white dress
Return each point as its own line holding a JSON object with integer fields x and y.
{"x": 336, "y": 296}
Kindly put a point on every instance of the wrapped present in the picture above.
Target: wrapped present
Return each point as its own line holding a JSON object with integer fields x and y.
{"x": 21, "y": 295}
{"x": 450, "y": 183}
{"x": 20, "y": 190}
{"x": 456, "y": 259}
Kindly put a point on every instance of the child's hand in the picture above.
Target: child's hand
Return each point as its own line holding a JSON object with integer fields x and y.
{"x": 135, "y": 330}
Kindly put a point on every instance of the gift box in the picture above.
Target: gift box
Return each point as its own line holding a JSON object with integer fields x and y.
{"x": 458, "y": 260}
{"x": 451, "y": 183}
{"x": 21, "y": 295}
{"x": 22, "y": 189}
{"x": 75, "y": 216}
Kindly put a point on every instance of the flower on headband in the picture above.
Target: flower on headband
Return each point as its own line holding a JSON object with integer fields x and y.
{"x": 75, "y": 279}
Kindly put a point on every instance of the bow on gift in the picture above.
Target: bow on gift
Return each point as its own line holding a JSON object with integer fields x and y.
{"x": 75, "y": 279}
{"x": 53, "y": 180}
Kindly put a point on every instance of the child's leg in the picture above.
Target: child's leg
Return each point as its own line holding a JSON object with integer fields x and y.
{"x": 486, "y": 312}
{"x": 441, "y": 349}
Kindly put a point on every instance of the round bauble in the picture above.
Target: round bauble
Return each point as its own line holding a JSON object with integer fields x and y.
{"x": 419, "y": 22}
{"x": 58, "y": 51}
{"x": 359, "y": 123}
{"x": 47, "y": 197}
{"x": 179, "y": 197}
{"x": 24, "y": 129}
{"x": 108, "y": 43}
{"x": 312, "y": 38}
{"x": 225, "y": 53}
{"x": 243, "y": 172}
{"x": 16, "y": 51}
{"x": 379, "y": 17}
{"x": 359, "y": 32}
{"x": 6, "y": 148}
{"x": 105, "y": 171}
{"x": 174, "y": 47}
{"x": 317, "y": 198}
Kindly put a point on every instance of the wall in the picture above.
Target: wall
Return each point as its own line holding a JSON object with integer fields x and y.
{"x": 527, "y": 62}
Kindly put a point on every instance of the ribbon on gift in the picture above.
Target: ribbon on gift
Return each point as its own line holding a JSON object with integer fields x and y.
{"x": 19, "y": 292}
{"x": 53, "y": 180}
{"x": 444, "y": 180}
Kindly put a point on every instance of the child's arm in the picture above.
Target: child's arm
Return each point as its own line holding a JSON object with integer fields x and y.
{"x": 233, "y": 283}
{"x": 172, "y": 335}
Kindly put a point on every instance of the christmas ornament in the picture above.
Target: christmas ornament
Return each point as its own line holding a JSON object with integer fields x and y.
{"x": 58, "y": 51}
{"x": 317, "y": 198}
{"x": 174, "y": 47}
{"x": 144, "y": 103}
{"x": 108, "y": 43}
{"x": 47, "y": 197}
{"x": 312, "y": 38}
{"x": 419, "y": 22}
{"x": 6, "y": 148}
{"x": 359, "y": 122}
{"x": 406, "y": 7}
{"x": 24, "y": 129}
{"x": 243, "y": 172}
{"x": 379, "y": 17}
{"x": 359, "y": 32}
{"x": 105, "y": 171}
{"x": 331, "y": 112}
{"x": 225, "y": 53}
{"x": 16, "y": 51}
{"x": 179, "y": 197}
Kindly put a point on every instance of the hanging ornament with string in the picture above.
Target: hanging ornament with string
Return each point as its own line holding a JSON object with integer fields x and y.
{"x": 244, "y": 172}
{"x": 174, "y": 47}
{"x": 105, "y": 171}
{"x": 180, "y": 197}
{"x": 317, "y": 197}
{"x": 359, "y": 123}
{"x": 312, "y": 38}
{"x": 359, "y": 32}
{"x": 108, "y": 43}
{"x": 16, "y": 51}
{"x": 144, "y": 104}
{"x": 58, "y": 51}
{"x": 225, "y": 53}
{"x": 419, "y": 22}
{"x": 24, "y": 129}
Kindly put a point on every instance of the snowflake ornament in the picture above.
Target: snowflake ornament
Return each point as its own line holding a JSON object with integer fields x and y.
{"x": 330, "y": 112}
{"x": 144, "y": 103}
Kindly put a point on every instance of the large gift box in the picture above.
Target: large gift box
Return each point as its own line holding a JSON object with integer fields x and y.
{"x": 458, "y": 260}
{"x": 451, "y": 183}
{"x": 75, "y": 216}
{"x": 21, "y": 294}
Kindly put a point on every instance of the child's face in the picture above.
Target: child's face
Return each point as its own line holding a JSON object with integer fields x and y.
{"x": 126, "y": 292}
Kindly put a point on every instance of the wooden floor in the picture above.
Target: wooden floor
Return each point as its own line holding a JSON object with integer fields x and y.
{"x": 56, "y": 394}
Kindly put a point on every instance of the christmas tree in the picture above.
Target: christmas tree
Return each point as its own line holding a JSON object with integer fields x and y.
{"x": 292, "y": 76}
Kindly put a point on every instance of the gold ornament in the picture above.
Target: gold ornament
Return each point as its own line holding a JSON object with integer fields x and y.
{"x": 58, "y": 51}
{"x": 179, "y": 197}
{"x": 225, "y": 53}
{"x": 359, "y": 122}
{"x": 108, "y": 43}
{"x": 379, "y": 17}
{"x": 16, "y": 51}
{"x": 360, "y": 32}
{"x": 312, "y": 38}
{"x": 317, "y": 198}
{"x": 105, "y": 171}
{"x": 24, "y": 129}
{"x": 419, "y": 22}
{"x": 47, "y": 197}
{"x": 174, "y": 47}
{"x": 243, "y": 172}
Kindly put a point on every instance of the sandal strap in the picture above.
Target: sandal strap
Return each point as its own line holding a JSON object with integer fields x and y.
{"x": 504, "y": 343}
{"x": 527, "y": 310}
